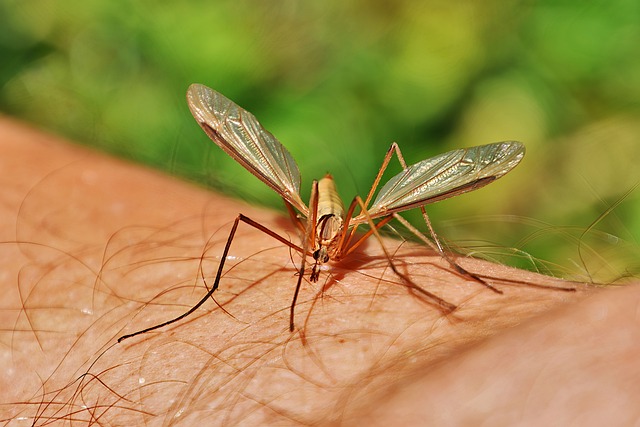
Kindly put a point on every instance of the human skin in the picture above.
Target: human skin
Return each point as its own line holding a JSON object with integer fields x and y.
{"x": 93, "y": 248}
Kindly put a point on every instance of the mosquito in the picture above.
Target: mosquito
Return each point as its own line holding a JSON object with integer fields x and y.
{"x": 329, "y": 231}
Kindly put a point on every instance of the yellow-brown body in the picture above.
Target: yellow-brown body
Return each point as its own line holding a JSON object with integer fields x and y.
{"x": 330, "y": 221}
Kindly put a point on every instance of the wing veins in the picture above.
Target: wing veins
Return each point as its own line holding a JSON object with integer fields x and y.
{"x": 241, "y": 135}
{"x": 458, "y": 171}
{"x": 426, "y": 183}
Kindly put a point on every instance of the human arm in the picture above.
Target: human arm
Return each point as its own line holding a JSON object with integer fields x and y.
{"x": 95, "y": 248}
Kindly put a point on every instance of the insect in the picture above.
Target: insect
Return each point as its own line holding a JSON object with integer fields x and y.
{"x": 329, "y": 230}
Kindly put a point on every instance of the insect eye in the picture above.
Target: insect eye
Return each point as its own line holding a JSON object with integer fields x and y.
{"x": 321, "y": 256}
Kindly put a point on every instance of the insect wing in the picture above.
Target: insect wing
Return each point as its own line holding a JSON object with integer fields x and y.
{"x": 445, "y": 176}
{"x": 239, "y": 133}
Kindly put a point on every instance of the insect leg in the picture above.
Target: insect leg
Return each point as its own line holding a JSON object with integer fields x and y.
{"x": 440, "y": 250}
{"x": 385, "y": 162}
{"x": 395, "y": 148}
{"x": 225, "y": 253}
{"x": 309, "y": 235}
{"x": 434, "y": 242}
{"x": 443, "y": 305}
{"x": 376, "y": 182}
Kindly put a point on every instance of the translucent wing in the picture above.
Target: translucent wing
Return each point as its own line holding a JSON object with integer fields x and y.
{"x": 239, "y": 133}
{"x": 445, "y": 176}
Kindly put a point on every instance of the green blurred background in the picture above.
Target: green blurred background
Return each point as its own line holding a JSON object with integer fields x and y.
{"x": 337, "y": 82}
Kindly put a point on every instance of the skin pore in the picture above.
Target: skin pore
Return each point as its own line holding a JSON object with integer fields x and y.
{"x": 94, "y": 248}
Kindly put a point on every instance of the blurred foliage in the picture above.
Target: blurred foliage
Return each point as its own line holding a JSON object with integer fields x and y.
{"x": 337, "y": 82}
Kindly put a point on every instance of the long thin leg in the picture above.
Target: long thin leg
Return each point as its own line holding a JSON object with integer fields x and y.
{"x": 444, "y": 306}
{"x": 345, "y": 245}
{"x": 309, "y": 235}
{"x": 376, "y": 182}
{"x": 394, "y": 148}
{"x": 225, "y": 253}
{"x": 385, "y": 162}
{"x": 442, "y": 253}
{"x": 435, "y": 242}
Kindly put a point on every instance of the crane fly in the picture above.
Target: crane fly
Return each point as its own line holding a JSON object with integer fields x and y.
{"x": 329, "y": 230}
